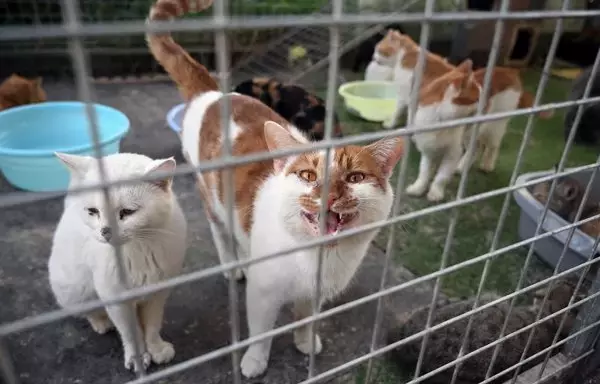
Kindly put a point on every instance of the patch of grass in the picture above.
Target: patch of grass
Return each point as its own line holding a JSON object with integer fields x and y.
{"x": 420, "y": 242}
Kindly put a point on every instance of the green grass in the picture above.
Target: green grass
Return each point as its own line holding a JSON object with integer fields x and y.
{"x": 419, "y": 243}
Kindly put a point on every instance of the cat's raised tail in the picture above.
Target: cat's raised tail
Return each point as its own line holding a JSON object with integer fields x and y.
{"x": 526, "y": 101}
{"x": 191, "y": 77}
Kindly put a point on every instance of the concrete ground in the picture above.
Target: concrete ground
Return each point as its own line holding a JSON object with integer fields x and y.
{"x": 197, "y": 315}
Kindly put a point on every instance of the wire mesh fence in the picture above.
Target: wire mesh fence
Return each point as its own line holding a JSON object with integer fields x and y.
{"x": 340, "y": 26}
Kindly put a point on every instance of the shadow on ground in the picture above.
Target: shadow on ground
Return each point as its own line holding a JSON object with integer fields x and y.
{"x": 197, "y": 315}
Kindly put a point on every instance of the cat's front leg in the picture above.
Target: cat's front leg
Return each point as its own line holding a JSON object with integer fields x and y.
{"x": 392, "y": 121}
{"x": 444, "y": 174}
{"x": 119, "y": 315}
{"x": 262, "y": 307}
{"x": 425, "y": 171}
{"x": 151, "y": 314}
{"x": 303, "y": 309}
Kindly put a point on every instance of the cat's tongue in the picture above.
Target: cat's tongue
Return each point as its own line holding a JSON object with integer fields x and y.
{"x": 332, "y": 222}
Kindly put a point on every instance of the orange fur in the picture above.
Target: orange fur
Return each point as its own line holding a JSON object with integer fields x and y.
{"x": 252, "y": 116}
{"x": 17, "y": 90}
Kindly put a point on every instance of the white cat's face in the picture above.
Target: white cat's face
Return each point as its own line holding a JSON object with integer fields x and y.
{"x": 139, "y": 210}
{"x": 359, "y": 190}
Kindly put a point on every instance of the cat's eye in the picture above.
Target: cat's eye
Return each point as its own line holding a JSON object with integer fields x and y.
{"x": 92, "y": 211}
{"x": 355, "y": 177}
{"x": 308, "y": 176}
{"x": 125, "y": 212}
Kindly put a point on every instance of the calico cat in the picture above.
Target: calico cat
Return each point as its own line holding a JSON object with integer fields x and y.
{"x": 17, "y": 90}
{"x": 587, "y": 131}
{"x": 276, "y": 201}
{"x": 444, "y": 344}
{"x": 301, "y": 108}
{"x": 455, "y": 95}
{"x": 366, "y": 49}
{"x": 405, "y": 53}
{"x": 152, "y": 235}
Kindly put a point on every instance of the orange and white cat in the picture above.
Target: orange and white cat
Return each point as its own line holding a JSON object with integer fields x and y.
{"x": 381, "y": 67}
{"x": 452, "y": 96}
{"x": 405, "y": 52}
{"x": 277, "y": 201}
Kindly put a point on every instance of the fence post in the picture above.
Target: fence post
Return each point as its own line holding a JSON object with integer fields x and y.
{"x": 588, "y": 314}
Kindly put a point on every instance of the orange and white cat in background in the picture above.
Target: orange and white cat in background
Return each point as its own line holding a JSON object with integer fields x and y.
{"x": 456, "y": 95}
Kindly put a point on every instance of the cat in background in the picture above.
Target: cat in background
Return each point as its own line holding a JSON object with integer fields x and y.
{"x": 365, "y": 51}
{"x": 406, "y": 54}
{"x": 277, "y": 201}
{"x": 17, "y": 90}
{"x": 295, "y": 104}
{"x": 381, "y": 66}
{"x": 151, "y": 232}
{"x": 587, "y": 131}
{"x": 452, "y": 96}
{"x": 444, "y": 344}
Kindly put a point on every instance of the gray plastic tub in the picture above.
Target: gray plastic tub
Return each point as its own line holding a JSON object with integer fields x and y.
{"x": 550, "y": 248}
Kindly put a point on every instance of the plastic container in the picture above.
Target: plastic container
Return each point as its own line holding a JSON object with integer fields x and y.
{"x": 550, "y": 248}
{"x": 175, "y": 117}
{"x": 370, "y": 100}
{"x": 30, "y": 134}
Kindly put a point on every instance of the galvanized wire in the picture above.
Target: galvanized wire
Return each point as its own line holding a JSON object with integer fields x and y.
{"x": 221, "y": 22}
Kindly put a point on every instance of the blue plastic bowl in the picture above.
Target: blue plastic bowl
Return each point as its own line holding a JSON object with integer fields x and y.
{"x": 175, "y": 117}
{"x": 30, "y": 134}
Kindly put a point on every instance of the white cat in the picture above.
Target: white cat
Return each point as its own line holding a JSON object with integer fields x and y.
{"x": 277, "y": 202}
{"x": 152, "y": 232}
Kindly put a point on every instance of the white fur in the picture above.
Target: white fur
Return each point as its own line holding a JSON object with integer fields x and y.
{"x": 403, "y": 78}
{"x": 292, "y": 278}
{"x": 445, "y": 147}
{"x": 491, "y": 133}
{"x": 192, "y": 122}
{"x": 277, "y": 225}
{"x": 380, "y": 68}
{"x": 83, "y": 266}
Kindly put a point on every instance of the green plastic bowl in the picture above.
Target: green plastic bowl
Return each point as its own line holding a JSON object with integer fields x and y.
{"x": 371, "y": 100}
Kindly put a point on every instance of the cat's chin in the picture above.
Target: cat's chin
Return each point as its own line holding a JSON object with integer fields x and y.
{"x": 335, "y": 222}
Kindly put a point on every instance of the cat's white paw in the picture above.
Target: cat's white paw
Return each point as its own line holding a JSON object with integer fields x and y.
{"x": 254, "y": 363}
{"x": 100, "y": 324}
{"x": 130, "y": 361}
{"x": 416, "y": 189}
{"x": 303, "y": 344}
{"x": 161, "y": 352}
{"x": 435, "y": 193}
{"x": 487, "y": 167}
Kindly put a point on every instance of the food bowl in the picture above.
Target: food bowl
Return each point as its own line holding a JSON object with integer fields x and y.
{"x": 175, "y": 117}
{"x": 30, "y": 134}
{"x": 370, "y": 100}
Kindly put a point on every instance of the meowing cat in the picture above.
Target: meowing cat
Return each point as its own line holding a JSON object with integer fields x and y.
{"x": 276, "y": 201}
{"x": 452, "y": 96}
{"x": 443, "y": 345}
{"x": 299, "y": 107}
{"x": 17, "y": 90}
{"x": 405, "y": 52}
{"x": 152, "y": 235}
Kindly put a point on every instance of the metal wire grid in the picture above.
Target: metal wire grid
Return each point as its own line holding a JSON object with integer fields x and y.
{"x": 75, "y": 31}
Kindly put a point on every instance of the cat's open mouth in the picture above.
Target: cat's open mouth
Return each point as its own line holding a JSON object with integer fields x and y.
{"x": 335, "y": 221}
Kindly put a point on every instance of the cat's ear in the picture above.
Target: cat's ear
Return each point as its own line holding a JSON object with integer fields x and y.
{"x": 162, "y": 166}
{"x": 278, "y": 137}
{"x": 387, "y": 152}
{"x": 466, "y": 66}
{"x": 77, "y": 165}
